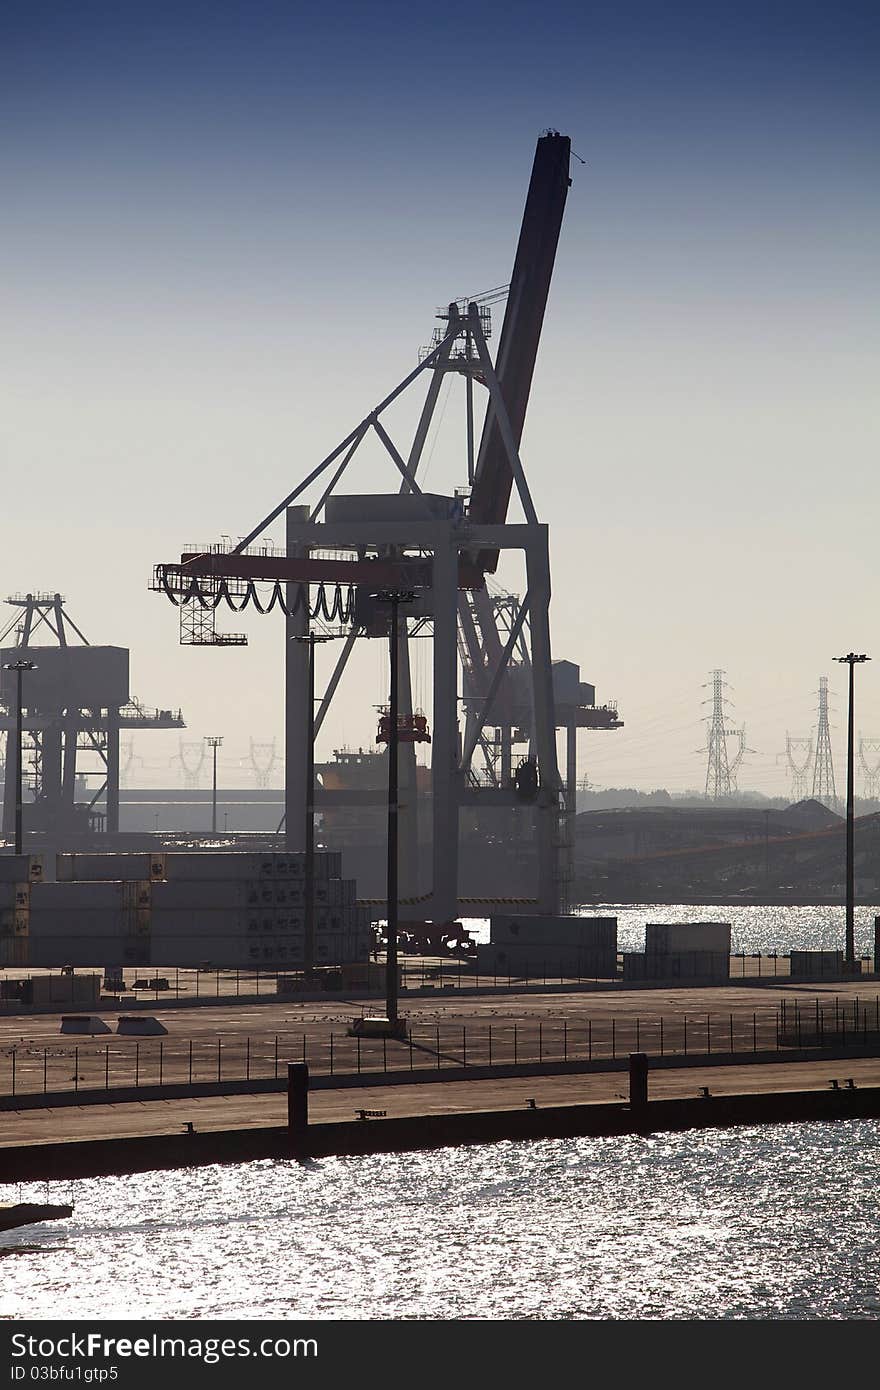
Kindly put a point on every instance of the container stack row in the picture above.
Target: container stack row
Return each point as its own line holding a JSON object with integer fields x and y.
{"x": 692, "y": 951}
{"x": 184, "y": 909}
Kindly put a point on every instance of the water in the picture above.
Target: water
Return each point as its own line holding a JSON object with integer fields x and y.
{"x": 771, "y": 1222}
{"x": 753, "y": 928}
{"x": 775, "y": 1222}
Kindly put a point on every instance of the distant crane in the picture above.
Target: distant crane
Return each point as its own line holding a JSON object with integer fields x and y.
{"x": 77, "y": 701}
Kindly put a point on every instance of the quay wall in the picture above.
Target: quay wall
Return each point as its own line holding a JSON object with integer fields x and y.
{"x": 103, "y": 1157}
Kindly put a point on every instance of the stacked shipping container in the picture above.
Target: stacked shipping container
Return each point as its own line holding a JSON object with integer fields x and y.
{"x": 182, "y": 909}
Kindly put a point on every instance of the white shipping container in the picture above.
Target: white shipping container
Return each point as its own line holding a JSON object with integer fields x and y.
{"x": 75, "y": 896}
{"x": 170, "y": 923}
{"x": 15, "y": 896}
{"x": 290, "y": 892}
{"x": 336, "y": 892}
{"x": 221, "y": 894}
{"x": 547, "y": 934}
{"x": 79, "y": 868}
{"x": 328, "y": 864}
{"x": 103, "y": 922}
{"x": 78, "y": 949}
{"x": 17, "y": 868}
{"x": 677, "y": 965}
{"x": 663, "y": 938}
{"x": 205, "y": 865}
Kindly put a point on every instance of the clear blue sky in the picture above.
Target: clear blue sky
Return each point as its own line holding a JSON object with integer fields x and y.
{"x": 226, "y": 229}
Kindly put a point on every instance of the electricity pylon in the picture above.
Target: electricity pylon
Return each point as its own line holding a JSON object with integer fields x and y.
{"x": 823, "y": 767}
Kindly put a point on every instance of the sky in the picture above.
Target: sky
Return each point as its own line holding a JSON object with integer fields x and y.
{"x": 226, "y": 231}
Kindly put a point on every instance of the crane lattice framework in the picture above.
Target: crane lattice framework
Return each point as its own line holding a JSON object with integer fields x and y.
{"x": 342, "y": 550}
{"x": 75, "y": 702}
{"x": 721, "y": 770}
{"x": 869, "y": 758}
{"x": 823, "y": 766}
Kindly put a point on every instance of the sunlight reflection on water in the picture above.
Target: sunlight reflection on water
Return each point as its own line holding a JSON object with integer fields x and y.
{"x": 758, "y": 1223}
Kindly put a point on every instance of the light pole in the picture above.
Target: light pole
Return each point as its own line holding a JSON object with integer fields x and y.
{"x": 310, "y": 638}
{"x": 393, "y": 597}
{"x": 851, "y": 659}
{"x": 18, "y": 667}
{"x": 214, "y": 742}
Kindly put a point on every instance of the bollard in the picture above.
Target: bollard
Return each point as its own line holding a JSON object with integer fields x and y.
{"x": 297, "y": 1106}
{"x": 638, "y": 1078}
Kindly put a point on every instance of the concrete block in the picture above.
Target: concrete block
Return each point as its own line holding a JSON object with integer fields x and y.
{"x": 83, "y": 1023}
{"x": 140, "y": 1025}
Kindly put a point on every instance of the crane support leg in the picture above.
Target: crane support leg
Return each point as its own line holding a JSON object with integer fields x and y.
{"x": 112, "y": 826}
{"x": 407, "y": 812}
{"x": 444, "y": 757}
{"x": 538, "y": 578}
{"x": 296, "y": 696}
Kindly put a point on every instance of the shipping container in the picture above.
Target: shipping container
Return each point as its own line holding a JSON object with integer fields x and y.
{"x": 15, "y": 897}
{"x": 14, "y": 950}
{"x": 692, "y": 966}
{"x": 221, "y": 894}
{"x": 217, "y": 922}
{"x": 14, "y": 922}
{"x": 589, "y": 933}
{"x": 20, "y": 868}
{"x": 79, "y": 897}
{"x": 81, "y": 868}
{"x": 546, "y": 960}
{"x": 60, "y": 923}
{"x": 668, "y": 937}
{"x": 816, "y": 965}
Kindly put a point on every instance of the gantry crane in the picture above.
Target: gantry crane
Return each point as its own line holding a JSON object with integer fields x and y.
{"x": 440, "y": 550}
{"x": 76, "y": 700}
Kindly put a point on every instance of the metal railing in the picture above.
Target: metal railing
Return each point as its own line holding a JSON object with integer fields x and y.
{"x": 126, "y": 1063}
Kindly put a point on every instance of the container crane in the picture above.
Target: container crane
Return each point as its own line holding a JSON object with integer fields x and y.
{"x": 441, "y": 549}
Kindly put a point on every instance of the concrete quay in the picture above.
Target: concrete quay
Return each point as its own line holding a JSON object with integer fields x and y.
{"x": 236, "y": 1122}
{"x": 53, "y": 1144}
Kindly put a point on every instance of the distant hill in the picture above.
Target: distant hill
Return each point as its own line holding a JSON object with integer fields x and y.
{"x": 812, "y": 815}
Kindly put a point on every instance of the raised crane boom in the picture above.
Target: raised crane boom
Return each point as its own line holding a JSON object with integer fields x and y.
{"x": 521, "y": 330}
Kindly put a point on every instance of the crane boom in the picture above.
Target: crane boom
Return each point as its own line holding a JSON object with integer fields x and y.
{"x": 521, "y": 330}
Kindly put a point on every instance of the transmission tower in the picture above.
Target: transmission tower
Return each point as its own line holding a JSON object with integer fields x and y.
{"x": 870, "y": 766}
{"x": 126, "y": 762}
{"x": 823, "y": 767}
{"x": 720, "y": 775}
{"x": 799, "y": 756}
{"x": 738, "y": 756}
{"x": 262, "y": 759}
{"x": 192, "y": 757}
